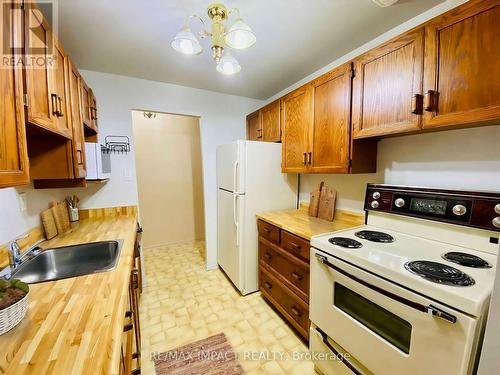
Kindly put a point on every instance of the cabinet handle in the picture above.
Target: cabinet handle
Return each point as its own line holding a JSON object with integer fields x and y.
{"x": 61, "y": 113}
{"x": 53, "y": 98}
{"x": 128, "y": 327}
{"x": 267, "y": 256}
{"x": 295, "y": 246}
{"x": 417, "y": 102}
{"x": 128, "y": 314}
{"x": 310, "y": 158}
{"x": 295, "y": 311}
{"x": 267, "y": 230}
{"x": 296, "y": 276}
{"x": 430, "y": 100}
{"x": 305, "y": 158}
{"x": 268, "y": 285}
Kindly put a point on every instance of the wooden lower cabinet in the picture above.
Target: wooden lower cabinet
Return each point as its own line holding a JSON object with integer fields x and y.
{"x": 284, "y": 275}
{"x": 131, "y": 338}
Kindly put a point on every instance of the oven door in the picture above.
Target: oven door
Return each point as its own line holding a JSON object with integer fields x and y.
{"x": 389, "y": 329}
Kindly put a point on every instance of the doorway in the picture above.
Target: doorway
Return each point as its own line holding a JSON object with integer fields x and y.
{"x": 169, "y": 177}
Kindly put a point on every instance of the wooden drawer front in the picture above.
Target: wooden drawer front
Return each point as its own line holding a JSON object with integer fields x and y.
{"x": 291, "y": 269}
{"x": 269, "y": 232}
{"x": 294, "y": 309}
{"x": 295, "y": 245}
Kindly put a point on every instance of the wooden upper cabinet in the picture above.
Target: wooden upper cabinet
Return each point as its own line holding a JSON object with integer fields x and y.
{"x": 40, "y": 90}
{"x": 387, "y": 88}
{"x": 296, "y": 120}
{"x": 78, "y": 143}
{"x": 271, "y": 122}
{"x": 331, "y": 131}
{"x": 254, "y": 127}
{"x": 13, "y": 153}
{"x": 60, "y": 76}
{"x": 462, "y": 66}
{"x": 85, "y": 104}
{"x": 93, "y": 111}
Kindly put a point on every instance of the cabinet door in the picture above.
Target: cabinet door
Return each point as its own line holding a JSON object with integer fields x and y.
{"x": 387, "y": 88}
{"x": 254, "y": 128}
{"x": 271, "y": 129}
{"x": 79, "y": 162}
{"x": 331, "y": 126}
{"x": 462, "y": 69}
{"x": 60, "y": 77}
{"x": 85, "y": 104}
{"x": 13, "y": 153}
{"x": 42, "y": 98}
{"x": 296, "y": 120}
{"x": 93, "y": 111}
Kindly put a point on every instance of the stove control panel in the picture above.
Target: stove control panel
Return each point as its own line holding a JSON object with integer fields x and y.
{"x": 475, "y": 209}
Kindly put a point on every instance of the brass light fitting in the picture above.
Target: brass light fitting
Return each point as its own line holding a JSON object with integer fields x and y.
{"x": 238, "y": 36}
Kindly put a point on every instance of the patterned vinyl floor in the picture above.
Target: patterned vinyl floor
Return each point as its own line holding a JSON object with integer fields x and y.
{"x": 182, "y": 303}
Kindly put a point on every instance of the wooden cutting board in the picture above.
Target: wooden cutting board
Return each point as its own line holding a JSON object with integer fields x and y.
{"x": 49, "y": 224}
{"x": 314, "y": 200}
{"x": 327, "y": 199}
{"x": 61, "y": 216}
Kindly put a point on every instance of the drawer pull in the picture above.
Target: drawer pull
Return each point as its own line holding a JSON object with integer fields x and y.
{"x": 296, "y": 276}
{"x": 128, "y": 327}
{"x": 128, "y": 314}
{"x": 267, "y": 230}
{"x": 268, "y": 285}
{"x": 267, "y": 256}
{"x": 295, "y": 246}
{"x": 296, "y": 312}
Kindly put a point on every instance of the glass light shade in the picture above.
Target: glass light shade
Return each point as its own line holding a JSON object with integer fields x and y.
{"x": 240, "y": 35}
{"x": 186, "y": 42}
{"x": 228, "y": 64}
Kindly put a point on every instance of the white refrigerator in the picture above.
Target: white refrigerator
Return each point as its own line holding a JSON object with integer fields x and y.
{"x": 249, "y": 180}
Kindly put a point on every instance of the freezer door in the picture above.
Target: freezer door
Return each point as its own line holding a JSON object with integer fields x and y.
{"x": 229, "y": 228}
{"x": 230, "y": 164}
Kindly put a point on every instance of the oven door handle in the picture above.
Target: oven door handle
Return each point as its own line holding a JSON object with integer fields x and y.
{"x": 336, "y": 353}
{"x": 431, "y": 310}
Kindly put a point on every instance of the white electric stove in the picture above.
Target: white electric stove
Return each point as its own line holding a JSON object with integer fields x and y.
{"x": 409, "y": 290}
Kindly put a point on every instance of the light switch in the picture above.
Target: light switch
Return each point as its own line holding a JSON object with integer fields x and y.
{"x": 22, "y": 202}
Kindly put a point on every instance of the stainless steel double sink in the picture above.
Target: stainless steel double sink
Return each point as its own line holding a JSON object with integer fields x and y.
{"x": 70, "y": 261}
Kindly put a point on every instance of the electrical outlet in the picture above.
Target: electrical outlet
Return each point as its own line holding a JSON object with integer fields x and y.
{"x": 22, "y": 202}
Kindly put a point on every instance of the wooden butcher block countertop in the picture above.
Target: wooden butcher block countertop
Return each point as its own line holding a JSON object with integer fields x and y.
{"x": 74, "y": 326}
{"x": 298, "y": 221}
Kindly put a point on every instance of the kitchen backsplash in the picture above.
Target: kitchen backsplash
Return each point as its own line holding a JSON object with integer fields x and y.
{"x": 457, "y": 159}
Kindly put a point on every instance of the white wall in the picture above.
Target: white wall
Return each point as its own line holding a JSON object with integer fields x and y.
{"x": 455, "y": 159}
{"x": 222, "y": 119}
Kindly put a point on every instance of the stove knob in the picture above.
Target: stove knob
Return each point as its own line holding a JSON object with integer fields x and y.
{"x": 400, "y": 202}
{"x": 376, "y": 195}
{"x": 497, "y": 208}
{"x": 459, "y": 209}
{"x": 496, "y": 222}
{"x": 374, "y": 204}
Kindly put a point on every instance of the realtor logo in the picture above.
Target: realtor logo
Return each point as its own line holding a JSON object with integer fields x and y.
{"x": 28, "y": 29}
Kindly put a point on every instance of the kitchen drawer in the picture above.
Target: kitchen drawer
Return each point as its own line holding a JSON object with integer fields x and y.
{"x": 269, "y": 232}
{"x": 295, "y": 245}
{"x": 292, "y": 270}
{"x": 293, "y": 308}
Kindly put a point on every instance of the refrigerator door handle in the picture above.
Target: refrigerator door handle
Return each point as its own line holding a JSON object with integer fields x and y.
{"x": 235, "y": 219}
{"x": 235, "y": 175}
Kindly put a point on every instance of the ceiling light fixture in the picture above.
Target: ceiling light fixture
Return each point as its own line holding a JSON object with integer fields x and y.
{"x": 238, "y": 36}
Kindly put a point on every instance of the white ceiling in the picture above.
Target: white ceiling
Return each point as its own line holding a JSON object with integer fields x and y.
{"x": 294, "y": 38}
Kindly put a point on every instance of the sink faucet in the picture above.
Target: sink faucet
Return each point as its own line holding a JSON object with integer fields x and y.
{"x": 15, "y": 252}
